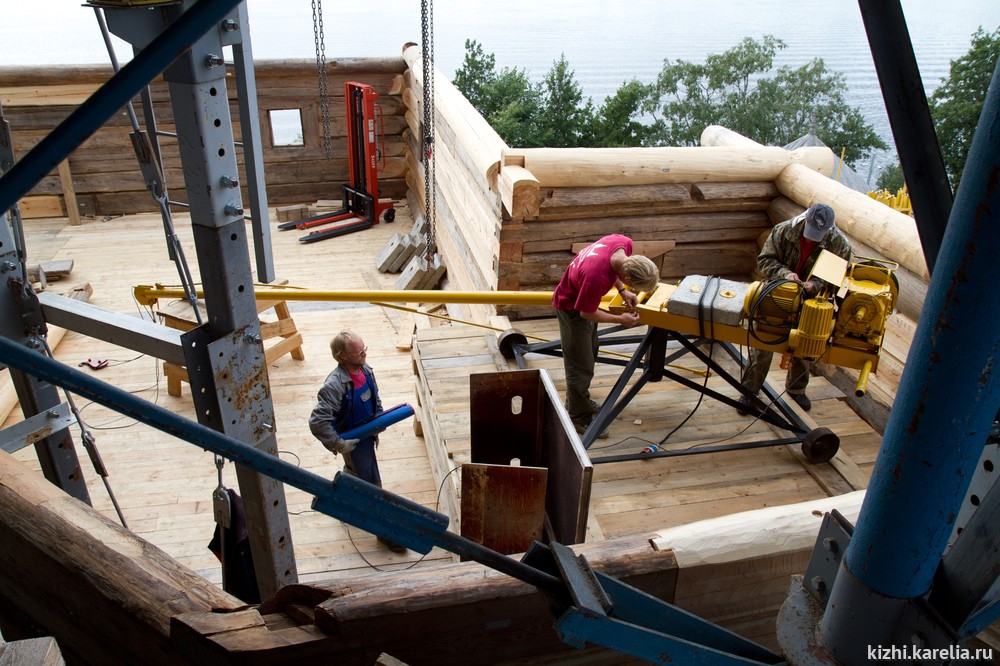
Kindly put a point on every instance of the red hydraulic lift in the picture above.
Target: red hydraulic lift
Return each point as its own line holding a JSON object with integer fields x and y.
{"x": 361, "y": 208}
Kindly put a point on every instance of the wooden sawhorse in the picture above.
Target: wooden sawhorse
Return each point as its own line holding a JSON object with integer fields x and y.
{"x": 178, "y": 315}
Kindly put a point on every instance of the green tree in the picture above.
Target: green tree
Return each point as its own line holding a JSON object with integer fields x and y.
{"x": 564, "y": 120}
{"x": 477, "y": 75}
{"x": 508, "y": 100}
{"x": 513, "y": 108}
{"x": 957, "y": 104}
{"x": 891, "y": 178}
{"x": 735, "y": 89}
{"x": 618, "y": 123}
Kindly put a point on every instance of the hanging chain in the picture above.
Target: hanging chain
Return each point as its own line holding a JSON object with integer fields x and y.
{"x": 324, "y": 93}
{"x": 427, "y": 36}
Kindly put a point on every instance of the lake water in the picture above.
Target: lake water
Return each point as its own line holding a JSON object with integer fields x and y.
{"x": 605, "y": 43}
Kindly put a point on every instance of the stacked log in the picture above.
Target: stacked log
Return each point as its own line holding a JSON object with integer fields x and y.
{"x": 115, "y": 592}
{"x": 711, "y": 203}
{"x": 466, "y": 204}
{"x": 103, "y": 171}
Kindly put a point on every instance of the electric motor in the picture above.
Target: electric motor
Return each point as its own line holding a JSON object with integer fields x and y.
{"x": 809, "y": 340}
{"x": 773, "y": 303}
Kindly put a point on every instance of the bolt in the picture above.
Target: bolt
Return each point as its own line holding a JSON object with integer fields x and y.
{"x": 819, "y": 585}
{"x": 213, "y": 60}
{"x": 251, "y": 338}
{"x": 52, "y": 414}
{"x": 231, "y": 183}
{"x": 233, "y": 209}
{"x": 831, "y": 545}
{"x": 8, "y": 266}
{"x": 267, "y": 426}
{"x": 229, "y": 25}
{"x": 34, "y": 343}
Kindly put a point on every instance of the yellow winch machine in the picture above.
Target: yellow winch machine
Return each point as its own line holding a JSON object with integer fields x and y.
{"x": 842, "y": 323}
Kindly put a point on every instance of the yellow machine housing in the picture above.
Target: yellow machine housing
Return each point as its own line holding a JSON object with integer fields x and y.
{"x": 843, "y": 324}
{"x": 810, "y": 339}
{"x": 772, "y": 309}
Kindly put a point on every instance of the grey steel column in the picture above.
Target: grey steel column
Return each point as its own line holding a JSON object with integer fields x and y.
{"x": 253, "y": 156}
{"x": 56, "y": 453}
{"x": 225, "y": 356}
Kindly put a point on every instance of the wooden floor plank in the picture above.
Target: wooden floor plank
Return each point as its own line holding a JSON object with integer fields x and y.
{"x": 164, "y": 486}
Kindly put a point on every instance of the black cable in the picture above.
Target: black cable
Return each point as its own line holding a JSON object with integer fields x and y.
{"x": 756, "y": 418}
{"x": 764, "y": 292}
{"x": 414, "y": 562}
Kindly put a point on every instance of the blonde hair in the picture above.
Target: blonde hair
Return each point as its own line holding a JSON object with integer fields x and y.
{"x": 341, "y": 341}
{"x": 640, "y": 273}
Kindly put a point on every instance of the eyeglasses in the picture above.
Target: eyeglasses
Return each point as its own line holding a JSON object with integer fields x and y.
{"x": 361, "y": 352}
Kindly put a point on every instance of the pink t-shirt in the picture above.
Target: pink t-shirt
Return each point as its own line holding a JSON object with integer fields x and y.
{"x": 359, "y": 379}
{"x": 589, "y": 276}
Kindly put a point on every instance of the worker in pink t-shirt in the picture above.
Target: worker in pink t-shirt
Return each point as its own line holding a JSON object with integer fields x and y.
{"x": 600, "y": 266}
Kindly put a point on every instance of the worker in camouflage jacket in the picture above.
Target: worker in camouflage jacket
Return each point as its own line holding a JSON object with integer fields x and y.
{"x": 789, "y": 252}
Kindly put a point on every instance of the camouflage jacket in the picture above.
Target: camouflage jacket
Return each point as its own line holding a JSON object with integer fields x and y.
{"x": 780, "y": 254}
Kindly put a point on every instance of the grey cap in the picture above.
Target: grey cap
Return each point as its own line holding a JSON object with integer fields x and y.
{"x": 819, "y": 221}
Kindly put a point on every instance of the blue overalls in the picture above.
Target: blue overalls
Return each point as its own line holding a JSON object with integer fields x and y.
{"x": 361, "y": 462}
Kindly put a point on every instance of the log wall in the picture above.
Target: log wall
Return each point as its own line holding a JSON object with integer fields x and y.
{"x": 466, "y": 154}
{"x": 711, "y": 202}
{"x": 104, "y": 593}
{"x": 105, "y": 176}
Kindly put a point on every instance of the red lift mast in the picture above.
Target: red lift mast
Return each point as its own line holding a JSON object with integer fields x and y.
{"x": 361, "y": 206}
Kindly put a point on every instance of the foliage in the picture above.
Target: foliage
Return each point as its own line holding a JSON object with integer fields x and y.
{"x": 729, "y": 89}
{"x": 732, "y": 89}
{"x": 563, "y": 121}
{"x": 618, "y": 122}
{"x": 891, "y": 178}
{"x": 957, "y": 104}
{"x": 508, "y": 99}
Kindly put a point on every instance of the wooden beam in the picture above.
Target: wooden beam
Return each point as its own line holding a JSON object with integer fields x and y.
{"x": 519, "y": 191}
{"x": 482, "y": 143}
{"x": 579, "y": 167}
{"x": 428, "y": 616}
{"x": 69, "y": 193}
{"x": 888, "y": 231}
{"x": 650, "y": 249}
{"x": 116, "y": 591}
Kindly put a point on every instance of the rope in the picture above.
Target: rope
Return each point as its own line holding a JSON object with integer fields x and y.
{"x": 90, "y": 444}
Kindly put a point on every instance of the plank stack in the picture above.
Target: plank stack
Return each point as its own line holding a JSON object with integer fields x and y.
{"x": 406, "y": 254}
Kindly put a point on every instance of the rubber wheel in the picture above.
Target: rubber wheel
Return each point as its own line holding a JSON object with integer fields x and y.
{"x": 389, "y": 215}
{"x": 508, "y": 339}
{"x": 820, "y": 445}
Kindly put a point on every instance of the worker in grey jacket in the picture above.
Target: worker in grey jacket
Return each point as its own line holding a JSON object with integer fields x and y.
{"x": 349, "y": 396}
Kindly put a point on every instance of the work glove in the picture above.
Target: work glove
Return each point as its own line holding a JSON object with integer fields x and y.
{"x": 346, "y": 445}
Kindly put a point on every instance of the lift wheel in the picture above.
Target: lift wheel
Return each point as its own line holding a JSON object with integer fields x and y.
{"x": 508, "y": 339}
{"x": 820, "y": 445}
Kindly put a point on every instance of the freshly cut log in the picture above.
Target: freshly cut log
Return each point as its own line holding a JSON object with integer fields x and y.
{"x": 579, "y": 167}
